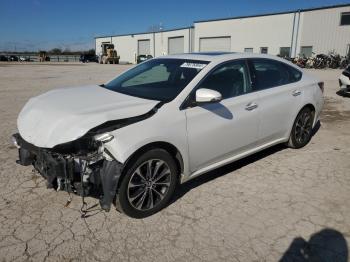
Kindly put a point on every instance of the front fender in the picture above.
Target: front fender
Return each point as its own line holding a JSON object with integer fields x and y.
{"x": 159, "y": 128}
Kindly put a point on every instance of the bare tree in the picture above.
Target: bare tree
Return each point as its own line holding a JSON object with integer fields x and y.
{"x": 156, "y": 28}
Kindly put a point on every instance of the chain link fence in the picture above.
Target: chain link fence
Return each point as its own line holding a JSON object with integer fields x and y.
{"x": 14, "y": 57}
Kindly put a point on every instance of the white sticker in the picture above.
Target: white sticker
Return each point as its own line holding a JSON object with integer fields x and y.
{"x": 193, "y": 65}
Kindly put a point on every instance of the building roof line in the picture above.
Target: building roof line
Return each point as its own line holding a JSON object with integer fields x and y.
{"x": 230, "y": 18}
{"x": 143, "y": 33}
{"x": 270, "y": 14}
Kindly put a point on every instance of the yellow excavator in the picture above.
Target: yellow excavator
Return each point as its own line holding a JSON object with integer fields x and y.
{"x": 109, "y": 54}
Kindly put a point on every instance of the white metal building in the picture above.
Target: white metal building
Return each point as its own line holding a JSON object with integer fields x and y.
{"x": 318, "y": 30}
{"x": 155, "y": 44}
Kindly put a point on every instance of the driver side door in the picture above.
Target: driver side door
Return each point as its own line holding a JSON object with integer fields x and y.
{"x": 219, "y": 130}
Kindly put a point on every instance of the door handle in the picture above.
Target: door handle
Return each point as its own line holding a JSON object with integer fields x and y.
{"x": 296, "y": 93}
{"x": 251, "y": 106}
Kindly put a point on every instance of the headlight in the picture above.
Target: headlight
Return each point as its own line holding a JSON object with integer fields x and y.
{"x": 15, "y": 142}
{"x": 104, "y": 138}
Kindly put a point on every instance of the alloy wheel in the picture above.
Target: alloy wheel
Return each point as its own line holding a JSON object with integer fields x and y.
{"x": 149, "y": 184}
{"x": 303, "y": 127}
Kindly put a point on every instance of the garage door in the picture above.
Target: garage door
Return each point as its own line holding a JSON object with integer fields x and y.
{"x": 215, "y": 44}
{"x": 144, "y": 47}
{"x": 175, "y": 45}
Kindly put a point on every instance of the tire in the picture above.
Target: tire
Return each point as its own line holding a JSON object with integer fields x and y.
{"x": 138, "y": 197}
{"x": 302, "y": 129}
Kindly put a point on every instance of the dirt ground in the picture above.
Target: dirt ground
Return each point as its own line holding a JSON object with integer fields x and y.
{"x": 280, "y": 204}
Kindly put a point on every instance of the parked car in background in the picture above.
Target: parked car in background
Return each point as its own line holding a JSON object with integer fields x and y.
{"x": 164, "y": 122}
{"x": 87, "y": 58}
{"x": 344, "y": 80}
{"x": 142, "y": 58}
{"x": 3, "y": 58}
{"x": 24, "y": 59}
{"x": 13, "y": 58}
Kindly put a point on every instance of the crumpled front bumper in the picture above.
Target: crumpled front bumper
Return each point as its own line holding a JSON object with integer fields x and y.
{"x": 89, "y": 174}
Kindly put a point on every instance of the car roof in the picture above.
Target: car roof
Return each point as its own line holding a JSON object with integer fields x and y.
{"x": 219, "y": 56}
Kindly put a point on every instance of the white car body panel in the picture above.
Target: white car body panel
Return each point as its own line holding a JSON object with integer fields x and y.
{"x": 158, "y": 128}
{"x": 206, "y": 136}
{"x": 209, "y": 126}
{"x": 66, "y": 114}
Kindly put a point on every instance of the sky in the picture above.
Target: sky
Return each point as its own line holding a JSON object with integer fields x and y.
{"x": 31, "y": 25}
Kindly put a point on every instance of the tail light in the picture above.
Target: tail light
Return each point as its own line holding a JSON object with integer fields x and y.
{"x": 321, "y": 86}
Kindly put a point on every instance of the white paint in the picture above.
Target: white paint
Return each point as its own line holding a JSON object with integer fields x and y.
{"x": 254, "y": 32}
{"x": 222, "y": 43}
{"x": 207, "y": 136}
{"x": 65, "y": 114}
{"x": 321, "y": 29}
{"x": 176, "y": 45}
{"x": 318, "y": 28}
{"x": 127, "y": 45}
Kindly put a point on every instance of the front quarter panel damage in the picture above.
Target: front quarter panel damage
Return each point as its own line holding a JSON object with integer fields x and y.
{"x": 83, "y": 166}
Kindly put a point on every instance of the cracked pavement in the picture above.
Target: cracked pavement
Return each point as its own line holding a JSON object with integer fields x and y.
{"x": 279, "y": 204}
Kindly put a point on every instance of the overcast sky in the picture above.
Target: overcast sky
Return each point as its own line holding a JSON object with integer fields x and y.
{"x": 30, "y": 25}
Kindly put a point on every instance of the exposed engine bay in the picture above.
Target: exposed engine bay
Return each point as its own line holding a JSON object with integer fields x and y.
{"x": 83, "y": 167}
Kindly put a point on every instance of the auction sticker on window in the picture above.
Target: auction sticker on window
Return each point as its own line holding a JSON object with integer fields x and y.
{"x": 193, "y": 65}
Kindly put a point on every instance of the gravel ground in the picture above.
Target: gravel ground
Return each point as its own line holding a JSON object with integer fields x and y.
{"x": 280, "y": 204}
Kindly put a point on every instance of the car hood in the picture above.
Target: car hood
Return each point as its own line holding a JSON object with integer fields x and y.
{"x": 66, "y": 114}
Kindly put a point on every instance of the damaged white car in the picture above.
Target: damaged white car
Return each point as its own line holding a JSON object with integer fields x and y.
{"x": 163, "y": 122}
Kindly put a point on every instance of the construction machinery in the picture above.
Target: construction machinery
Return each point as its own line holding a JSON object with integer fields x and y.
{"x": 43, "y": 57}
{"x": 109, "y": 54}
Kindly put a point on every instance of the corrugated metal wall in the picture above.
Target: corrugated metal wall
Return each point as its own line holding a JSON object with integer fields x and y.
{"x": 215, "y": 44}
{"x": 176, "y": 45}
{"x": 321, "y": 29}
{"x": 272, "y": 31}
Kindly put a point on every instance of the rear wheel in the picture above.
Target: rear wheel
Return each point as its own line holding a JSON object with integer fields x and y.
{"x": 148, "y": 184}
{"x": 302, "y": 129}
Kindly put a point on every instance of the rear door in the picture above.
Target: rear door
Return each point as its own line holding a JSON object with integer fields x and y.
{"x": 280, "y": 96}
{"x": 219, "y": 130}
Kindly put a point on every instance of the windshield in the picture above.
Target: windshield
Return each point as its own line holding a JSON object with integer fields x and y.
{"x": 157, "y": 79}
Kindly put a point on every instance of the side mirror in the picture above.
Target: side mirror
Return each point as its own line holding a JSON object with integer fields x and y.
{"x": 204, "y": 95}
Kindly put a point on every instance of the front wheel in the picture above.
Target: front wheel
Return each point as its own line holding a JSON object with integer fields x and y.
{"x": 148, "y": 184}
{"x": 302, "y": 129}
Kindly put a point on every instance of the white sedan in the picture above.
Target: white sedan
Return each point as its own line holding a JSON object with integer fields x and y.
{"x": 164, "y": 122}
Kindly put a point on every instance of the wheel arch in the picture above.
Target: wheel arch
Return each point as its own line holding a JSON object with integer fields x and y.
{"x": 312, "y": 108}
{"x": 309, "y": 105}
{"x": 170, "y": 148}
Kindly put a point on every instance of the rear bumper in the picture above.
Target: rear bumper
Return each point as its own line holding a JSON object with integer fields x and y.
{"x": 87, "y": 174}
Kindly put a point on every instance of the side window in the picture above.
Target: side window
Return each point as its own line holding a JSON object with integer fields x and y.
{"x": 269, "y": 73}
{"x": 230, "y": 79}
{"x": 295, "y": 74}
